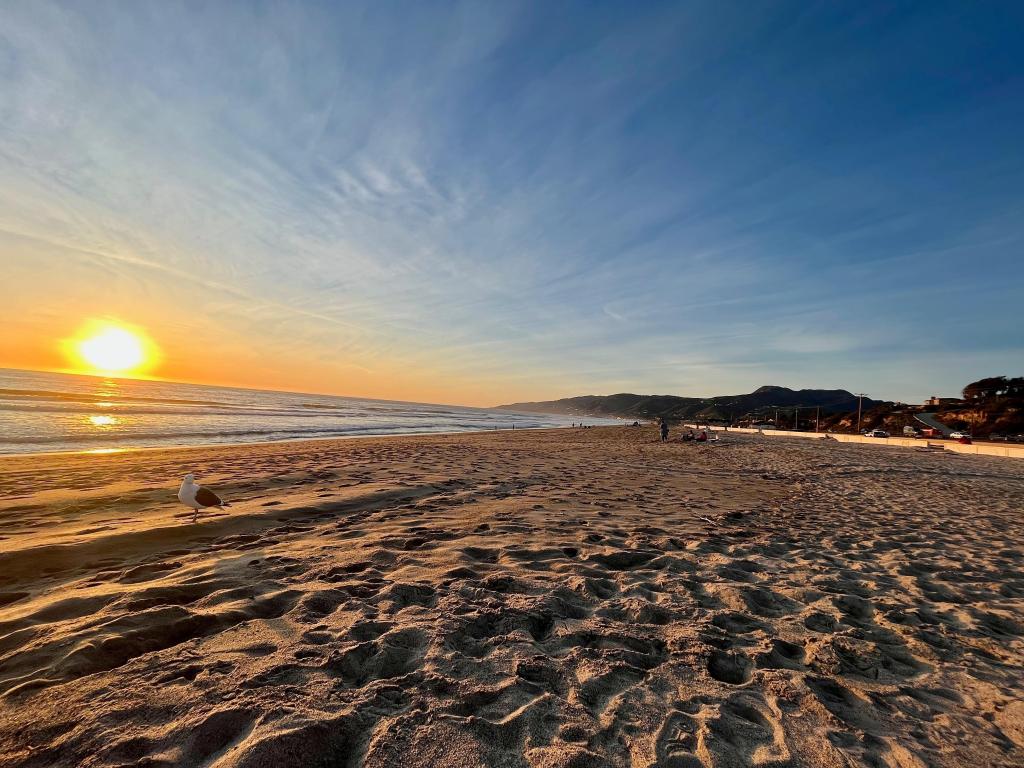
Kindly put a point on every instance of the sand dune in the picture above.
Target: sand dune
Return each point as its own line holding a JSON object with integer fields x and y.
{"x": 551, "y": 599}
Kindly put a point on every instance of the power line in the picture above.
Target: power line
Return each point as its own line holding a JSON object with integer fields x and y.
{"x": 860, "y": 402}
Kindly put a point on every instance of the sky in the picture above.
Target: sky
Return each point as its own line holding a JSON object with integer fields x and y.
{"x": 484, "y": 203}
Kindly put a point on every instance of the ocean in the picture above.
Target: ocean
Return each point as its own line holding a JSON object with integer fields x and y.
{"x": 47, "y": 412}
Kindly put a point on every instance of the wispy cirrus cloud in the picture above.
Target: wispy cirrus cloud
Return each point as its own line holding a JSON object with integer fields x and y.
{"x": 515, "y": 201}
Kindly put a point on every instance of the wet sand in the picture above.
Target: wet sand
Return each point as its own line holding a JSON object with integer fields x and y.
{"x": 556, "y": 598}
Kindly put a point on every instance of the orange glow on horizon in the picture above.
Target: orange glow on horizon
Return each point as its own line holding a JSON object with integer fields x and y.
{"x": 211, "y": 354}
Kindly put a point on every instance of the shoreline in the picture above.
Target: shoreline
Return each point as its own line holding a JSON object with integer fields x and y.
{"x": 977, "y": 448}
{"x": 134, "y": 449}
{"x": 47, "y": 413}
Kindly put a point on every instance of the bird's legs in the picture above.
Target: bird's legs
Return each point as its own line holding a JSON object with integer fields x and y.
{"x": 195, "y": 515}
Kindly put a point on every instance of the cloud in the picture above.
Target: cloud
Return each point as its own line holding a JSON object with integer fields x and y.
{"x": 512, "y": 194}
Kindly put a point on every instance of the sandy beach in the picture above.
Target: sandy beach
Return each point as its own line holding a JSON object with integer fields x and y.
{"x": 551, "y": 598}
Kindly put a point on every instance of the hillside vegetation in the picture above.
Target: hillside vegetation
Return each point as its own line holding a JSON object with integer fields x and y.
{"x": 993, "y": 405}
{"x": 726, "y": 408}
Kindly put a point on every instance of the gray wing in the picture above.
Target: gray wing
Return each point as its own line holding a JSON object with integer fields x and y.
{"x": 208, "y": 498}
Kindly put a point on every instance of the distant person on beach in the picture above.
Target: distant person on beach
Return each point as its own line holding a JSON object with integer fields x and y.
{"x": 664, "y": 430}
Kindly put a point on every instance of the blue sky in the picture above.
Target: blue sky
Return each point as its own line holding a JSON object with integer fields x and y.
{"x": 486, "y": 202}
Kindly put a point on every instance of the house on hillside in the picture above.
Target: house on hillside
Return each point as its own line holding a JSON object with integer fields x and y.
{"x": 935, "y": 401}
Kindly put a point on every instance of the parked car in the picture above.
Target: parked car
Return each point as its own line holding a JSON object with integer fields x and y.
{"x": 996, "y": 437}
{"x": 909, "y": 432}
{"x": 960, "y": 436}
{"x": 878, "y": 433}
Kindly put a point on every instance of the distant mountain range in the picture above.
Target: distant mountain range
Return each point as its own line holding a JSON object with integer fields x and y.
{"x": 722, "y": 407}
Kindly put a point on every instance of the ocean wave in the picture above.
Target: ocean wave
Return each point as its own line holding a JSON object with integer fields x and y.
{"x": 79, "y": 397}
{"x": 127, "y": 409}
{"x": 54, "y": 412}
{"x": 240, "y": 435}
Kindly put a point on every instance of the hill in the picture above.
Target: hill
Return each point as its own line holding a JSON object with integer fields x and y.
{"x": 991, "y": 406}
{"x": 728, "y": 408}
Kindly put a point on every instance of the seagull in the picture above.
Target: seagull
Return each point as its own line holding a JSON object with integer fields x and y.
{"x": 193, "y": 495}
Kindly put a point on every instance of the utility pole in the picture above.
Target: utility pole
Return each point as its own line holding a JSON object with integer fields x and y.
{"x": 796, "y": 418}
{"x": 817, "y": 417}
{"x": 860, "y": 402}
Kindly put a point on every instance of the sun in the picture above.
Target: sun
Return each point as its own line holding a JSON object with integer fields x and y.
{"x": 109, "y": 347}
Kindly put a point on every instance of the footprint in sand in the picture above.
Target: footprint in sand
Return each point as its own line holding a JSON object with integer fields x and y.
{"x": 747, "y": 731}
{"x": 677, "y": 741}
{"x": 783, "y": 655}
{"x": 821, "y": 622}
{"x": 393, "y": 654}
{"x": 730, "y": 667}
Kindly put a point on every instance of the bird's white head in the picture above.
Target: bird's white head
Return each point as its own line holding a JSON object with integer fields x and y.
{"x": 190, "y": 478}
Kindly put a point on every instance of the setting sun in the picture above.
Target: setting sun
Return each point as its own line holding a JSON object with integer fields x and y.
{"x": 107, "y": 347}
{"x": 112, "y": 350}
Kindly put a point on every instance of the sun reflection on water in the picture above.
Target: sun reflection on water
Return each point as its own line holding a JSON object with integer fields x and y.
{"x": 103, "y": 421}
